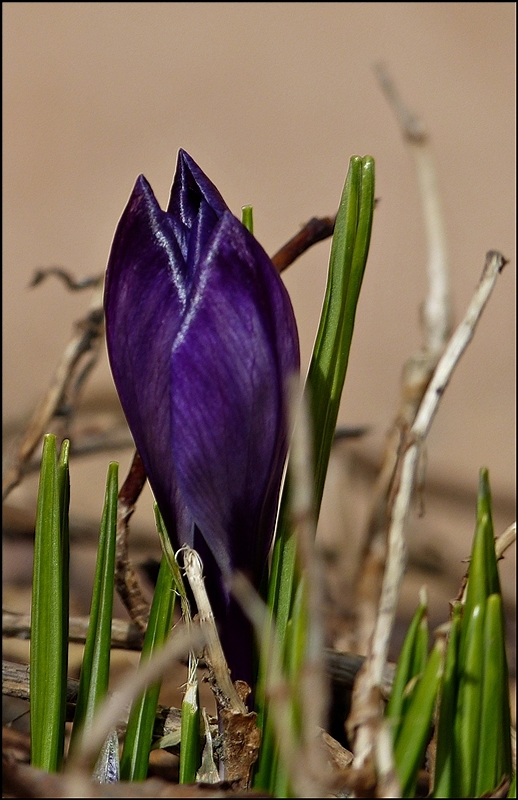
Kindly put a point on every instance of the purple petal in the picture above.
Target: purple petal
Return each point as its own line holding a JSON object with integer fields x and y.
{"x": 145, "y": 294}
{"x": 235, "y": 348}
{"x": 195, "y": 205}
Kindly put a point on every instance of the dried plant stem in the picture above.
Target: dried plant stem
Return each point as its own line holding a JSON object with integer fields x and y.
{"x": 505, "y": 540}
{"x": 437, "y": 323}
{"x": 77, "y": 361}
{"x": 15, "y": 683}
{"x": 125, "y": 635}
{"x": 387, "y": 779}
{"x": 316, "y": 230}
{"x": 226, "y": 693}
{"x": 437, "y": 311}
{"x": 241, "y": 738}
{"x": 366, "y": 707}
{"x": 126, "y": 579}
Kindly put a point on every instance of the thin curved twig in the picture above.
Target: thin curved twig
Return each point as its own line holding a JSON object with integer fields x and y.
{"x": 316, "y": 230}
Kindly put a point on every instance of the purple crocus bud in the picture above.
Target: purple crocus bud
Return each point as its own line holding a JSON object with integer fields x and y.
{"x": 201, "y": 340}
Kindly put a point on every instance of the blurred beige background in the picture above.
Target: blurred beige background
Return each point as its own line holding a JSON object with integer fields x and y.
{"x": 272, "y": 99}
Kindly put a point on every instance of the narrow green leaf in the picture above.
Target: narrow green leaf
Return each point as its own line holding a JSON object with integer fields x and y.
{"x": 512, "y": 788}
{"x": 411, "y": 744}
{"x": 444, "y": 783}
{"x": 247, "y": 218}
{"x": 410, "y": 663}
{"x": 268, "y": 755}
{"x": 469, "y": 703}
{"x": 279, "y": 779}
{"x": 49, "y": 611}
{"x": 63, "y": 477}
{"x": 328, "y": 366}
{"x": 139, "y": 733}
{"x": 420, "y": 653}
{"x": 190, "y": 746}
{"x": 95, "y": 669}
{"x": 295, "y": 651}
{"x": 329, "y": 361}
{"x": 294, "y": 657}
{"x": 483, "y": 577}
{"x": 493, "y": 765}
{"x": 280, "y": 594}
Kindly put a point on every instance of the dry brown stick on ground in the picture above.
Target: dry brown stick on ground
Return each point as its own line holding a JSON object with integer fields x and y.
{"x": 125, "y": 635}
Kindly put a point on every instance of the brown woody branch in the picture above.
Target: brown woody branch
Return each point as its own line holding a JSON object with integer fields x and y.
{"x": 316, "y": 230}
{"x": 126, "y": 579}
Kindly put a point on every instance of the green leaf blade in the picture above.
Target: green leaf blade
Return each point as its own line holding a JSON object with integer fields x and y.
{"x": 469, "y": 703}
{"x": 49, "y": 611}
{"x": 139, "y": 732}
{"x": 494, "y": 763}
{"x": 410, "y": 663}
{"x": 95, "y": 669}
{"x": 411, "y": 744}
{"x": 444, "y": 779}
{"x": 190, "y": 746}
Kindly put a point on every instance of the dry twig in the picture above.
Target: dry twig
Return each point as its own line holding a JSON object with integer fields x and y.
{"x": 15, "y": 683}
{"x": 316, "y": 230}
{"x": 437, "y": 322}
{"x": 125, "y": 635}
{"x": 505, "y": 540}
{"x": 126, "y": 579}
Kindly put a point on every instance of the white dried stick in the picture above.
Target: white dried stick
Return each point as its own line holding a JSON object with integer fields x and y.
{"x": 371, "y": 677}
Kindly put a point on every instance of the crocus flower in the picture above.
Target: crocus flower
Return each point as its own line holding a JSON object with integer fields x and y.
{"x": 201, "y": 339}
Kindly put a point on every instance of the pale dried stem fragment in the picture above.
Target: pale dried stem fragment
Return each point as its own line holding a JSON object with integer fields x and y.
{"x": 505, "y": 540}
{"x": 437, "y": 324}
{"x": 241, "y": 737}
{"x": 127, "y": 582}
{"x": 388, "y": 782}
{"x": 364, "y": 712}
{"x": 228, "y": 697}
